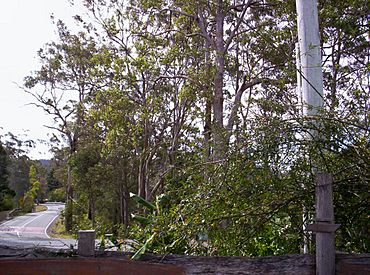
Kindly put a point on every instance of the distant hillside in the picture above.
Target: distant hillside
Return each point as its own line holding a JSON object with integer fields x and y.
{"x": 45, "y": 162}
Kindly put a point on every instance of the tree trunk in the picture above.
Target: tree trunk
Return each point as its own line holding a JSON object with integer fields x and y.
{"x": 142, "y": 178}
{"x": 218, "y": 100}
{"x": 68, "y": 218}
{"x": 126, "y": 210}
{"x": 208, "y": 107}
{"x": 142, "y": 188}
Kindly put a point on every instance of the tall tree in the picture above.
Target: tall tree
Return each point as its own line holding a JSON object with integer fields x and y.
{"x": 60, "y": 87}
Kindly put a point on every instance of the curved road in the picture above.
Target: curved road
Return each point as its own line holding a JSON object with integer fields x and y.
{"x": 30, "y": 230}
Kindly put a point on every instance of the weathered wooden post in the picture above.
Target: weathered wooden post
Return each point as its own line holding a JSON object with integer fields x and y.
{"x": 86, "y": 243}
{"x": 324, "y": 226}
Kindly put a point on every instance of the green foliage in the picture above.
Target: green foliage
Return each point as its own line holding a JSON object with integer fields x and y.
{"x": 142, "y": 249}
{"x": 6, "y": 194}
{"x": 146, "y": 124}
{"x": 28, "y": 202}
{"x": 31, "y": 195}
{"x": 52, "y": 182}
{"x": 142, "y": 201}
{"x": 57, "y": 194}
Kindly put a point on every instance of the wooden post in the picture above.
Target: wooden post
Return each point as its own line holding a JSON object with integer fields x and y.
{"x": 324, "y": 226}
{"x": 86, "y": 243}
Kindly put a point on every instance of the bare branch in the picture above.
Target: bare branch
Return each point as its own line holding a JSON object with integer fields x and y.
{"x": 201, "y": 24}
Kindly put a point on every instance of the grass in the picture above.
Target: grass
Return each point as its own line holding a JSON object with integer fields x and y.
{"x": 40, "y": 208}
{"x": 57, "y": 230}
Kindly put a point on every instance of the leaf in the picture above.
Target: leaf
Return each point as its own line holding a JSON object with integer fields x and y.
{"x": 141, "y": 219}
{"x": 142, "y": 249}
{"x": 142, "y": 201}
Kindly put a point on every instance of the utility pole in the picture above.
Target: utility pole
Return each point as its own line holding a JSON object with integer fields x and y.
{"x": 309, "y": 73}
{"x": 309, "y": 56}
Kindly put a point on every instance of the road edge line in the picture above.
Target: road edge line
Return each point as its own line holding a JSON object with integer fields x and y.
{"x": 49, "y": 224}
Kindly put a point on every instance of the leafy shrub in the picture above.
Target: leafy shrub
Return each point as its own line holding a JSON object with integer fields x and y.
{"x": 6, "y": 202}
{"x": 57, "y": 195}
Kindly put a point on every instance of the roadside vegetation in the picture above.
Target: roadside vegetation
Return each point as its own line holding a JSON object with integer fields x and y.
{"x": 178, "y": 125}
{"x": 40, "y": 208}
{"x": 3, "y": 215}
{"x": 57, "y": 230}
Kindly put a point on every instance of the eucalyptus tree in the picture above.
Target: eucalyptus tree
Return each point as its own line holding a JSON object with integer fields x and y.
{"x": 179, "y": 64}
{"x": 271, "y": 119}
{"x": 61, "y": 87}
{"x": 168, "y": 90}
{"x": 151, "y": 82}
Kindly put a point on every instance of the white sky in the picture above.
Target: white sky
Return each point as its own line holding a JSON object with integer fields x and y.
{"x": 25, "y": 26}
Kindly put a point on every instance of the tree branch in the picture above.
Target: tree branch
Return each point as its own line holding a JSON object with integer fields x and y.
{"x": 240, "y": 20}
{"x": 237, "y": 100}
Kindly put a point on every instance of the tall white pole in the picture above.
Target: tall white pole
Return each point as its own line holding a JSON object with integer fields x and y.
{"x": 309, "y": 72}
{"x": 310, "y": 56}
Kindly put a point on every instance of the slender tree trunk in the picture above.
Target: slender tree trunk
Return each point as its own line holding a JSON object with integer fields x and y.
{"x": 69, "y": 200}
{"x": 124, "y": 198}
{"x": 141, "y": 191}
{"x": 124, "y": 195}
{"x": 208, "y": 107}
{"x": 69, "y": 186}
{"x": 218, "y": 100}
{"x": 126, "y": 209}
{"x": 121, "y": 204}
{"x": 92, "y": 211}
{"x": 142, "y": 180}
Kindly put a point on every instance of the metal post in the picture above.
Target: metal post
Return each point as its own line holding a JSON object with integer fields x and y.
{"x": 324, "y": 226}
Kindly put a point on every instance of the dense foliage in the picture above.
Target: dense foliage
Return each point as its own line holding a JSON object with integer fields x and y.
{"x": 192, "y": 105}
{"x": 6, "y": 194}
{"x": 23, "y": 181}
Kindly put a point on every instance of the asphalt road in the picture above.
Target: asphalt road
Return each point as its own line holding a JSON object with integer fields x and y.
{"x": 31, "y": 230}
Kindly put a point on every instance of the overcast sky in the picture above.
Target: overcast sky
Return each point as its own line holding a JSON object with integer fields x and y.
{"x": 25, "y": 26}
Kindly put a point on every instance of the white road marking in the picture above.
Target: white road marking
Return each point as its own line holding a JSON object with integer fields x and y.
{"x": 17, "y": 231}
{"x": 46, "y": 228}
{"x": 4, "y": 223}
{"x": 28, "y": 223}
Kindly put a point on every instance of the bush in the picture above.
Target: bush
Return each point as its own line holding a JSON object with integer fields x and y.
{"x": 57, "y": 195}
{"x": 6, "y": 202}
{"x": 28, "y": 203}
